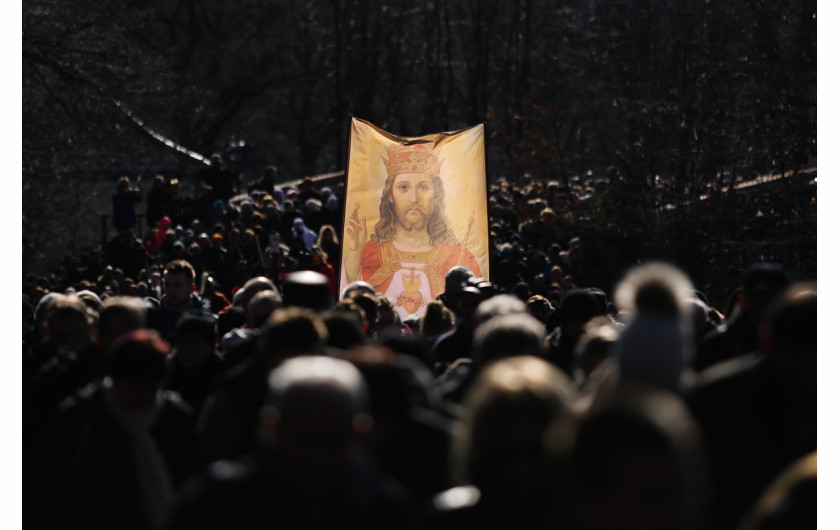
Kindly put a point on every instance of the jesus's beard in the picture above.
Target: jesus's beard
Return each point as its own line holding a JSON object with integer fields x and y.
{"x": 416, "y": 220}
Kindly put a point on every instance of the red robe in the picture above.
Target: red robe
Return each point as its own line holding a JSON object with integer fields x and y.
{"x": 381, "y": 261}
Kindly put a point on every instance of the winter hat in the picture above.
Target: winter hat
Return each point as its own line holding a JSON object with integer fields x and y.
{"x": 654, "y": 350}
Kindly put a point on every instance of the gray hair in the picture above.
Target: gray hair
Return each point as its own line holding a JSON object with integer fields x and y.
{"x": 509, "y": 335}
{"x": 501, "y": 304}
{"x": 311, "y": 375}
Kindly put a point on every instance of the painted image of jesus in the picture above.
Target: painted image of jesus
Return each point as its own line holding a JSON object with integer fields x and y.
{"x": 412, "y": 246}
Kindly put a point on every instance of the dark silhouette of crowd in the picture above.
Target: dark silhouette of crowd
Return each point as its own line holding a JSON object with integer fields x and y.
{"x": 208, "y": 374}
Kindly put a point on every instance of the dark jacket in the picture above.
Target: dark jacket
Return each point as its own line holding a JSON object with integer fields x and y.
{"x": 84, "y": 473}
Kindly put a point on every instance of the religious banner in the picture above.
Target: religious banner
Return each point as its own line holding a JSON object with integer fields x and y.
{"x": 415, "y": 207}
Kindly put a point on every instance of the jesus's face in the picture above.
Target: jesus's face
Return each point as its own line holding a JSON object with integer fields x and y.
{"x": 412, "y": 197}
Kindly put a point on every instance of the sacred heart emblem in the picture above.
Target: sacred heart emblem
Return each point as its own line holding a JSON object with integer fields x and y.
{"x": 411, "y": 298}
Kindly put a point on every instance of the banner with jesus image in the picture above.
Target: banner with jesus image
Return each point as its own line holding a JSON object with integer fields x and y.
{"x": 415, "y": 207}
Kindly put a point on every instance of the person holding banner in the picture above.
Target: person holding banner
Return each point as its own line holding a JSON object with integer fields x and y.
{"x": 412, "y": 246}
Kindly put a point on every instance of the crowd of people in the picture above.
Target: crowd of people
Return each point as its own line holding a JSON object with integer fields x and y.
{"x": 210, "y": 375}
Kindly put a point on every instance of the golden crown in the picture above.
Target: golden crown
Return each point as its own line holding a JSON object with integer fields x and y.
{"x": 411, "y": 159}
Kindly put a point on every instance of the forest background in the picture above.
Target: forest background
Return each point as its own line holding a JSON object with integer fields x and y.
{"x": 671, "y": 96}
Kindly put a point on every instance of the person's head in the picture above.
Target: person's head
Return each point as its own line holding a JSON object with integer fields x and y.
{"x": 437, "y": 319}
{"x": 270, "y": 173}
{"x": 331, "y": 204}
{"x": 234, "y": 235}
{"x": 345, "y": 326}
{"x": 501, "y": 304}
{"x": 178, "y": 250}
{"x": 269, "y": 207}
{"x": 539, "y": 307}
{"x": 787, "y": 335}
{"x": 556, "y": 274}
{"x": 638, "y": 463}
{"x": 315, "y": 414}
{"x": 655, "y": 288}
{"x": 600, "y": 186}
{"x": 358, "y": 285}
{"x": 656, "y": 347}
{"x": 289, "y": 332}
{"x": 178, "y": 278}
{"x": 600, "y": 335}
{"x": 574, "y": 310}
{"x": 370, "y": 305}
{"x": 251, "y": 288}
{"x": 789, "y": 501}
{"x": 453, "y": 282}
{"x": 67, "y": 323}
{"x": 307, "y": 289}
{"x": 502, "y": 447}
{"x": 413, "y": 195}
{"x": 120, "y": 315}
{"x": 387, "y": 319}
{"x": 762, "y": 283}
{"x": 91, "y": 300}
{"x": 261, "y": 305}
{"x": 548, "y": 217}
{"x": 326, "y": 235}
{"x": 508, "y": 335}
{"x": 312, "y": 206}
{"x": 195, "y": 339}
{"x": 136, "y": 366}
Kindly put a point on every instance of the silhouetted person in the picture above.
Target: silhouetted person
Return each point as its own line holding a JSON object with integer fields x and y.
{"x": 228, "y": 423}
{"x": 637, "y": 464}
{"x": 195, "y": 361}
{"x": 506, "y": 472}
{"x": 114, "y": 456}
{"x": 656, "y": 347}
{"x": 762, "y": 282}
{"x": 462, "y": 299}
{"x": 410, "y": 437}
{"x": 266, "y": 183}
{"x": 156, "y": 201}
{"x": 220, "y": 179}
{"x": 310, "y": 470}
{"x": 789, "y": 502}
{"x": 759, "y": 412}
{"x": 178, "y": 296}
{"x": 123, "y": 202}
{"x": 67, "y": 359}
{"x": 504, "y": 329}
{"x": 239, "y": 343}
{"x": 567, "y": 323}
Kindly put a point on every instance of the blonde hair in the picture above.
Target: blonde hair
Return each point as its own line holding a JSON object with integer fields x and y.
{"x": 507, "y": 392}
